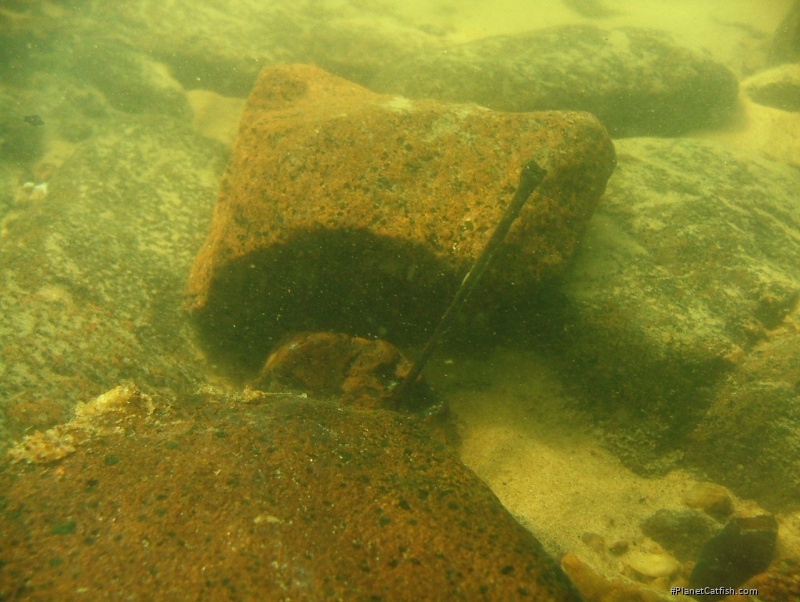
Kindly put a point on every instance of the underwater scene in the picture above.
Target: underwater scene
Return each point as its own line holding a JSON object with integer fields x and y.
{"x": 384, "y": 301}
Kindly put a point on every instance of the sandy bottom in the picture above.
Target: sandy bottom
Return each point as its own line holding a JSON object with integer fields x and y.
{"x": 547, "y": 464}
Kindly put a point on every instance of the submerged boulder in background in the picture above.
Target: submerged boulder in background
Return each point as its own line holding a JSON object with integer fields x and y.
{"x": 637, "y": 82}
{"x": 688, "y": 273}
{"x": 222, "y": 46}
{"x": 785, "y": 43}
{"x": 778, "y": 87}
{"x": 349, "y": 211}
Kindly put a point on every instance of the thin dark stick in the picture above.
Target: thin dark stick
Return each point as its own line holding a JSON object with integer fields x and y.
{"x": 529, "y": 180}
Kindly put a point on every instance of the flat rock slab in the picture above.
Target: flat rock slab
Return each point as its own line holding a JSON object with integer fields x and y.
{"x": 256, "y": 497}
{"x": 690, "y": 264}
{"x": 638, "y": 82}
{"x": 350, "y": 211}
{"x": 92, "y": 273}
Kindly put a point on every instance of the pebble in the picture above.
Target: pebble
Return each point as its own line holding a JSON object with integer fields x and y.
{"x": 715, "y": 500}
{"x": 653, "y": 565}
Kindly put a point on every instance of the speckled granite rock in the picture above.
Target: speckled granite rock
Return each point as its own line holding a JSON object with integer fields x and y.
{"x": 637, "y": 82}
{"x": 91, "y": 274}
{"x": 690, "y": 262}
{"x": 354, "y": 212}
{"x": 257, "y": 497}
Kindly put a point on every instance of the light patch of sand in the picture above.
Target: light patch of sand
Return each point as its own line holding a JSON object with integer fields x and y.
{"x": 547, "y": 464}
{"x": 215, "y": 116}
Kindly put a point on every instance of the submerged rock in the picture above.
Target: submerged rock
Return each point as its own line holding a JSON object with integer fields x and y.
{"x": 742, "y": 549}
{"x": 778, "y": 87}
{"x": 688, "y": 268}
{"x": 681, "y": 532}
{"x": 715, "y": 500}
{"x": 350, "y": 370}
{"x": 92, "y": 273}
{"x": 785, "y": 43}
{"x": 780, "y": 582}
{"x": 749, "y": 439}
{"x": 257, "y": 496}
{"x": 222, "y": 46}
{"x": 349, "y": 211}
{"x": 637, "y": 82}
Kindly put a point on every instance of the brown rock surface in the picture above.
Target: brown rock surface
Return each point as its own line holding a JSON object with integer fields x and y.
{"x": 336, "y": 366}
{"x": 350, "y": 211}
{"x": 595, "y": 587}
{"x": 779, "y": 583}
{"x": 255, "y": 497}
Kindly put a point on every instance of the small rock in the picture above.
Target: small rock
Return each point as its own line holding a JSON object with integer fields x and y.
{"x": 715, "y": 500}
{"x": 596, "y": 587}
{"x": 327, "y": 365}
{"x": 594, "y": 541}
{"x": 652, "y": 564}
{"x": 681, "y": 532}
{"x": 743, "y": 548}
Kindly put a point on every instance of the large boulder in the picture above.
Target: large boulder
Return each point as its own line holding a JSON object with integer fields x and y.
{"x": 638, "y": 82}
{"x": 256, "y": 497}
{"x": 350, "y": 211}
{"x": 222, "y": 46}
{"x": 688, "y": 276}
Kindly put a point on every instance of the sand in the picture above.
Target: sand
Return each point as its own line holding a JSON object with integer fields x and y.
{"x": 546, "y": 461}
